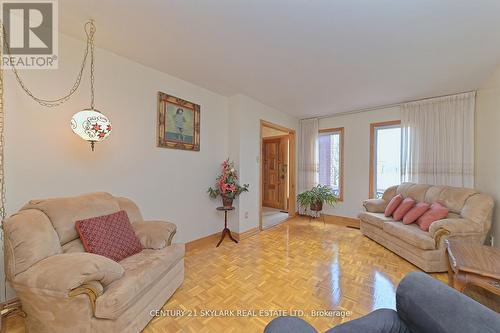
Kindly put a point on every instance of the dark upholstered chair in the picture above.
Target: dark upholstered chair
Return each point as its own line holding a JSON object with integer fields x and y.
{"x": 424, "y": 305}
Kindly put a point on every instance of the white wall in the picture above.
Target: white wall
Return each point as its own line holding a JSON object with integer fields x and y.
{"x": 487, "y": 145}
{"x": 44, "y": 158}
{"x": 356, "y": 155}
{"x": 245, "y": 116}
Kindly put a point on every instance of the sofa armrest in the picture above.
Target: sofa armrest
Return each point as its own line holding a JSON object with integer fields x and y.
{"x": 65, "y": 272}
{"x": 375, "y": 205}
{"x": 155, "y": 234}
{"x": 455, "y": 227}
{"x": 428, "y": 305}
{"x": 378, "y": 321}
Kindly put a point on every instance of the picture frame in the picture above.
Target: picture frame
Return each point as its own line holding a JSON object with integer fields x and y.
{"x": 178, "y": 123}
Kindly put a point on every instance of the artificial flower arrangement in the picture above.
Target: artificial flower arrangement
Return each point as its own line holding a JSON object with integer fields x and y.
{"x": 227, "y": 184}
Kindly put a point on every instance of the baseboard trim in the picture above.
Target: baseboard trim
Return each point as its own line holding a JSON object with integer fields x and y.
{"x": 211, "y": 240}
{"x": 246, "y": 234}
{"x": 341, "y": 220}
{"x": 203, "y": 242}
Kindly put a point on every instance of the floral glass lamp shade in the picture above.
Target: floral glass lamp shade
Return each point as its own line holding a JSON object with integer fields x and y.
{"x": 91, "y": 125}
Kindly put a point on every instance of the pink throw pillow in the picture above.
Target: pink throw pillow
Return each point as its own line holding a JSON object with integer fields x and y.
{"x": 403, "y": 208}
{"x": 393, "y": 204}
{"x": 435, "y": 213}
{"x": 414, "y": 213}
{"x": 111, "y": 236}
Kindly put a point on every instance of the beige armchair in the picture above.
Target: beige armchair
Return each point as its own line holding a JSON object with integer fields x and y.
{"x": 64, "y": 289}
{"x": 469, "y": 220}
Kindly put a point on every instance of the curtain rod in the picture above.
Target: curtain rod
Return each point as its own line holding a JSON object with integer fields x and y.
{"x": 383, "y": 106}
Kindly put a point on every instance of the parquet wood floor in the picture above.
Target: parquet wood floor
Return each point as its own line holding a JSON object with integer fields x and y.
{"x": 294, "y": 266}
{"x": 297, "y": 265}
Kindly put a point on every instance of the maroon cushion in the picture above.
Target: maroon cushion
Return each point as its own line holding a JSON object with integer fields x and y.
{"x": 110, "y": 236}
{"x": 403, "y": 208}
{"x": 393, "y": 204}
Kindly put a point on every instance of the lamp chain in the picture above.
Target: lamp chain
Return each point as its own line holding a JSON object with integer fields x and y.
{"x": 90, "y": 42}
{"x": 89, "y": 31}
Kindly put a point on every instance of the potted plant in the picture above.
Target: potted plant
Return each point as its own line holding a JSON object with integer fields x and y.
{"x": 227, "y": 185}
{"x": 316, "y": 197}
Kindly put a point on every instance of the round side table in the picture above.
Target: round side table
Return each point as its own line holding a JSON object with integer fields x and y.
{"x": 226, "y": 229}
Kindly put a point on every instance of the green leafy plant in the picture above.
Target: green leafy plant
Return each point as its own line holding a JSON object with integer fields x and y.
{"x": 316, "y": 197}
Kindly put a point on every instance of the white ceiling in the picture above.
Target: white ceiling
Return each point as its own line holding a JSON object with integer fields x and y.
{"x": 304, "y": 57}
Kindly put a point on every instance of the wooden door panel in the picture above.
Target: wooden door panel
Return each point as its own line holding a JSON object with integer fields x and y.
{"x": 274, "y": 182}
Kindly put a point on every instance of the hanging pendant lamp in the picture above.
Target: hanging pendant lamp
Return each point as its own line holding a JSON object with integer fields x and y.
{"x": 90, "y": 124}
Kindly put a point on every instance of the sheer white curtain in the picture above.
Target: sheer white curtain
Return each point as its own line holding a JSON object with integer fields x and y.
{"x": 308, "y": 155}
{"x": 437, "y": 138}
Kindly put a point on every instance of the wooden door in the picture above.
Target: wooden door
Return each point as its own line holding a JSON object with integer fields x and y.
{"x": 274, "y": 172}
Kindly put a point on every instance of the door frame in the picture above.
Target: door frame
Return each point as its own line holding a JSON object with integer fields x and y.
{"x": 291, "y": 165}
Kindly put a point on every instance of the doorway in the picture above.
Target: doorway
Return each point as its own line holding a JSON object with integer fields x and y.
{"x": 277, "y": 174}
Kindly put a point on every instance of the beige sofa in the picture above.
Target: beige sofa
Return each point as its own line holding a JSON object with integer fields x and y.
{"x": 469, "y": 220}
{"x": 64, "y": 289}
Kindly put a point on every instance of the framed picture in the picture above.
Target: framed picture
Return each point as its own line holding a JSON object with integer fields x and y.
{"x": 178, "y": 123}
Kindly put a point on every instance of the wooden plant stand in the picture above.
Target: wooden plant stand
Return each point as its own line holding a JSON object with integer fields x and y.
{"x": 226, "y": 229}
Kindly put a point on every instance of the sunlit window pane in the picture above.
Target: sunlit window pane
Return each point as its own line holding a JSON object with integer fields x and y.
{"x": 387, "y": 158}
{"x": 329, "y": 161}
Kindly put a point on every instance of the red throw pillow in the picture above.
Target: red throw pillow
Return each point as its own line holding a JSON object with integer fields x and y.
{"x": 393, "y": 204}
{"x": 403, "y": 208}
{"x": 110, "y": 236}
{"x": 435, "y": 213}
{"x": 414, "y": 213}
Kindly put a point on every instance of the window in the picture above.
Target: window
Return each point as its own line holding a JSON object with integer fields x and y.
{"x": 385, "y": 157}
{"x": 331, "y": 160}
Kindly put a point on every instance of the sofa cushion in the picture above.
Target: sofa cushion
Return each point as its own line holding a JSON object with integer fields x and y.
{"x": 375, "y": 219}
{"x": 416, "y": 212}
{"x": 389, "y": 193}
{"x": 64, "y": 212}
{"x": 403, "y": 189}
{"x": 435, "y": 213}
{"x": 454, "y": 198}
{"x": 403, "y": 208}
{"x": 393, "y": 205}
{"x": 142, "y": 270}
{"x": 410, "y": 234}
{"x": 111, "y": 236}
{"x": 74, "y": 246}
{"x": 133, "y": 212}
{"x": 417, "y": 192}
{"x": 433, "y": 193}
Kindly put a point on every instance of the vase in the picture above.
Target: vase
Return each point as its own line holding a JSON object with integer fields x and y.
{"x": 317, "y": 207}
{"x": 227, "y": 202}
